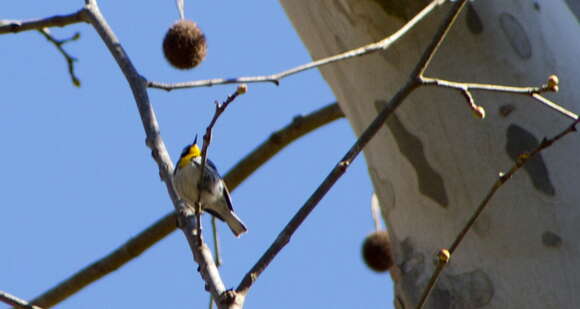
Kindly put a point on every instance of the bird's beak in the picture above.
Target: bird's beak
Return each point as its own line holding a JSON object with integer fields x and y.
{"x": 195, "y": 140}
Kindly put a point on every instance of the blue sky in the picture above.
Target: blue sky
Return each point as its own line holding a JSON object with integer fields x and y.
{"x": 78, "y": 180}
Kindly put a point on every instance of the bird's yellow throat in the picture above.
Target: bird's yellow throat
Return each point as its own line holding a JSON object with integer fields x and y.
{"x": 193, "y": 152}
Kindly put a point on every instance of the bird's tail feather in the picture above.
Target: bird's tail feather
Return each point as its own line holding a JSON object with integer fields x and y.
{"x": 235, "y": 224}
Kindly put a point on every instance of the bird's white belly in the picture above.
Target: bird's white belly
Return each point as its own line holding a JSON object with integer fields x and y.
{"x": 186, "y": 184}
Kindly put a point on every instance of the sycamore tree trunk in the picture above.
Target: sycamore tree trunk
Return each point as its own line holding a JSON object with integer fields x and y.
{"x": 433, "y": 162}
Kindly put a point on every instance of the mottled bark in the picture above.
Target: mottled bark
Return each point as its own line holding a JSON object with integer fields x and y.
{"x": 433, "y": 162}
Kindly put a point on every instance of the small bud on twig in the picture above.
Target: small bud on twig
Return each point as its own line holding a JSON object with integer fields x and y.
{"x": 443, "y": 257}
{"x": 553, "y": 82}
{"x": 479, "y": 111}
{"x": 243, "y": 88}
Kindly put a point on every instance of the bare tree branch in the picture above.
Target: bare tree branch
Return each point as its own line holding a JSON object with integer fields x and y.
{"x": 217, "y": 256}
{"x": 216, "y": 251}
{"x": 376, "y": 212}
{"x": 70, "y": 60}
{"x": 445, "y": 254}
{"x": 275, "y": 78}
{"x": 109, "y": 263}
{"x": 180, "y": 9}
{"x": 15, "y": 26}
{"x": 42, "y": 25}
{"x": 219, "y": 109}
{"x": 135, "y": 246}
{"x": 533, "y": 92}
{"x": 15, "y": 301}
{"x": 201, "y": 253}
{"x": 340, "y": 168}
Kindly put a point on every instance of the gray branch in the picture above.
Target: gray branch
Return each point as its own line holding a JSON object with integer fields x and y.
{"x": 15, "y": 26}
{"x": 381, "y": 45}
{"x": 201, "y": 253}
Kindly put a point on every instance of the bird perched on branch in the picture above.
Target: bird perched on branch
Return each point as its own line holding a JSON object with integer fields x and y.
{"x": 215, "y": 197}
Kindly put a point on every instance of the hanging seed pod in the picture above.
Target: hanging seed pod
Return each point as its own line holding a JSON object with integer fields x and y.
{"x": 376, "y": 251}
{"x": 184, "y": 45}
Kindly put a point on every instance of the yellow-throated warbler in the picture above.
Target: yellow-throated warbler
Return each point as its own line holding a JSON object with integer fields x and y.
{"x": 215, "y": 197}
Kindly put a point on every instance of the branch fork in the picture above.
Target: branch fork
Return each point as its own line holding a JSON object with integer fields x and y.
{"x": 192, "y": 230}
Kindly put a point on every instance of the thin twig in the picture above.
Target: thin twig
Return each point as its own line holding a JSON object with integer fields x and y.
{"x": 70, "y": 60}
{"x": 465, "y": 88}
{"x": 15, "y": 26}
{"x": 180, "y": 9}
{"x": 216, "y": 251}
{"x": 502, "y": 179}
{"x": 429, "y": 81}
{"x": 342, "y": 165}
{"x": 135, "y": 246}
{"x": 376, "y": 212}
{"x": 477, "y": 110}
{"x": 533, "y": 92}
{"x": 554, "y": 106}
{"x": 216, "y": 243}
{"x": 520, "y": 161}
{"x": 15, "y": 301}
{"x": 219, "y": 109}
{"x": 381, "y": 45}
{"x": 437, "y": 41}
{"x": 339, "y": 169}
{"x": 201, "y": 253}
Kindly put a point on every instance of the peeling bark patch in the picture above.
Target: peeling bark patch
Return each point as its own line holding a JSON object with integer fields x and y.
{"x": 551, "y": 239}
{"x": 395, "y": 8}
{"x": 472, "y": 289}
{"x": 474, "y": 23}
{"x": 412, "y": 269}
{"x": 431, "y": 183}
{"x": 519, "y": 140}
{"x": 440, "y": 298}
{"x": 506, "y": 110}
{"x": 516, "y": 35}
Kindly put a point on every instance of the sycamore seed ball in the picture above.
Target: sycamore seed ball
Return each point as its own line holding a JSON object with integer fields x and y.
{"x": 553, "y": 82}
{"x": 376, "y": 251}
{"x": 184, "y": 45}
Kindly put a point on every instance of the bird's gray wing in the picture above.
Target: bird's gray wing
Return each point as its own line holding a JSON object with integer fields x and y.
{"x": 227, "y": 197}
